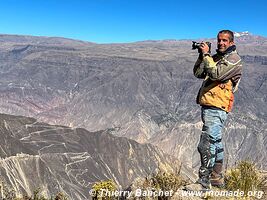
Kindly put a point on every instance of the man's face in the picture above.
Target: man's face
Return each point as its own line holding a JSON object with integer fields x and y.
{"x": 223, "y": 42}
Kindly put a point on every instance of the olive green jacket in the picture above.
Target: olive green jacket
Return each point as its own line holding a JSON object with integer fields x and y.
{"x": 216, "y": 70}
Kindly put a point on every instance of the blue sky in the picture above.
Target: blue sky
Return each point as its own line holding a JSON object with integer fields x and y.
{"x": 113, "y": 21}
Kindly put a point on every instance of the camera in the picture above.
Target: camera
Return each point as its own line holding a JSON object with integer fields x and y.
{"x": 196, "y": 45}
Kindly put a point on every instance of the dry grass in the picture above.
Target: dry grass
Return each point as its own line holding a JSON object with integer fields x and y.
{"x": 244, "y": 177}
{"x": 7, "y": 193}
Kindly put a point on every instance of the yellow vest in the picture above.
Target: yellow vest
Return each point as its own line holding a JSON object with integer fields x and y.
{"x": 217, "y": 94}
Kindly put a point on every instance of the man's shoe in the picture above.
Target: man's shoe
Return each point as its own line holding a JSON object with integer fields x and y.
{"x": 193, "y": 187}
{"x": 217, "y": 181}
{"x": 216, "y": 178}
{"x": 205, "y": 183}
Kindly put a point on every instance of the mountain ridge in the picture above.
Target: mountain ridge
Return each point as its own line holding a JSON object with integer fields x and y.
{"x": 63, "y": 159}
{"x": 28, "y": 38}
{"x": 142, "y": 91}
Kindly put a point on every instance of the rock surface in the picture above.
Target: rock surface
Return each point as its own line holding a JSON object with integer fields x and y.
{"x": 70, "y": 160}
{"x": 143, "y": 91}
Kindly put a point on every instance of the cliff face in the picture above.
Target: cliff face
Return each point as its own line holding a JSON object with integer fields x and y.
{"x": 57, "y": 158}
{"x": 144, "y": 91}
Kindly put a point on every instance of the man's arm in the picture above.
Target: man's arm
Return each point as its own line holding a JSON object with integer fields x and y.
{"x": 198, "y": 70}
{"x": 225, "y": 69}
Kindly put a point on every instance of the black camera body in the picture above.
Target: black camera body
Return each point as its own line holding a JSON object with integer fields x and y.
{"x": 196, "y": 45}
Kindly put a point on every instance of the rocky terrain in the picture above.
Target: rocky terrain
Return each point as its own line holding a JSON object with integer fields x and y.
{"x": 70, "y": 160}
{"x": 144, "y": 91}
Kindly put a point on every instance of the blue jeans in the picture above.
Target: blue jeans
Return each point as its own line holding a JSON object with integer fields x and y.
{"x": 210, "y": 145}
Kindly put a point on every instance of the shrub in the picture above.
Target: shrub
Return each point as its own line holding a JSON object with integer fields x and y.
{"x": 245, "y": 177}
{"x": 166, "y": 182}
{"x": 7, "y": 193}
{"x": 107, "y": 186}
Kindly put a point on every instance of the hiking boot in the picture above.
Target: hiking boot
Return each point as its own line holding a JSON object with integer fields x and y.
{"x": 193, "y": 187}
{"x": 205, "y": 182}
{"x": 197, "y": 188}
{"x": 216, "y": 178}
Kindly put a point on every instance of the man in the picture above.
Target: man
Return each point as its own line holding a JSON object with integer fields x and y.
{"x": 221, "y": 73}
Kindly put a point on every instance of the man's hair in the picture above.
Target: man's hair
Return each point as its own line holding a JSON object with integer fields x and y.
{"x": 230, "y": 33}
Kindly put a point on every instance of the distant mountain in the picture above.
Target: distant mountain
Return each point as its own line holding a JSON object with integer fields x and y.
{"x": 58, "y": 158}
{"x": 144, "y": 91}
{"x": 54, "y": 41}
{"x": 241, "y": 34}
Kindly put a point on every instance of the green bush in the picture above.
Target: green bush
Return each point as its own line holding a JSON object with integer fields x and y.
{"x": 107, "y": 186}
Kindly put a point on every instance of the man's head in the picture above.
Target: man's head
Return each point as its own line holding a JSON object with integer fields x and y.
{"x": 225, "y": 39}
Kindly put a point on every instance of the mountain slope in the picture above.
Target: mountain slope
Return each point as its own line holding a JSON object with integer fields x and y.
{"x": 144, "y": 91}
{"x": 71, "y": 160}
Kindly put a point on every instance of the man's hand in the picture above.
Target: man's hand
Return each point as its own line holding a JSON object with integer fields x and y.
{"x": 204, "y": 48}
